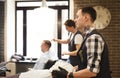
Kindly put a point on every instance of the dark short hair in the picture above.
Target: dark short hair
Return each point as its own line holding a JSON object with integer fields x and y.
{"x": 91, "y": 11}
{"x": 47, "y": 42}
{"x": 70, "y": 23}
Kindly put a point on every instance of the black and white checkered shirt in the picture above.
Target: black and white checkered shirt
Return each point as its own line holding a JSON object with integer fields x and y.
{"x": 95, "y": 46}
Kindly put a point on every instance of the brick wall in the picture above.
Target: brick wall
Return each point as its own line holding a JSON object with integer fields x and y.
{"x": 1, "y": 30}
{"x": 111, "y": 33}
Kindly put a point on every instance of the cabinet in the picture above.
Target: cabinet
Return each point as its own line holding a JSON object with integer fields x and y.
{"x": 22, "y": 66}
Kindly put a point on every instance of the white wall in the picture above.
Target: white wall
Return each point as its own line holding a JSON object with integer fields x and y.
{"x": 71, "y": 9}
{"x": 9, "y": 44}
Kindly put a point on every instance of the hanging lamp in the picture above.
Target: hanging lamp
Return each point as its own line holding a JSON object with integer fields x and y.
{"x": 44, "y": 4}
{"x": 44, "y": 12}
{"x": 44, "y": 8}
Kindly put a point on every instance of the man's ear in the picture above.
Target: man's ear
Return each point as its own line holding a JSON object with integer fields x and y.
{"x": 85, "y": 17}
{"x": 49, "y": 64}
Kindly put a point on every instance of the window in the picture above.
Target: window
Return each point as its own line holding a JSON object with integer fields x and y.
{"x": 32, "y": 29}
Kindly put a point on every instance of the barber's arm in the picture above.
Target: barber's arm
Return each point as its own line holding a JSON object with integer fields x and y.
{"x": 78, "y": 41}
{"x": 61, "y": 41}
{"x": 85, "y": 73}
{"x": 62, "y": 73}
{"x": 72, "y": 53}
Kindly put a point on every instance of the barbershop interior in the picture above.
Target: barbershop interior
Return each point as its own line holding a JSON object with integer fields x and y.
{"x": 24, "y": 24}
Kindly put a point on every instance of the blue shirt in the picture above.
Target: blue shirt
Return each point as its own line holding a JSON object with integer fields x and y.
{"x": 49, "y": 55}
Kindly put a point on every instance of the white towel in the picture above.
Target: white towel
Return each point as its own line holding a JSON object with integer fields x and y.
{"x": 47, "y": 73}
{"x": 36, "y": 74}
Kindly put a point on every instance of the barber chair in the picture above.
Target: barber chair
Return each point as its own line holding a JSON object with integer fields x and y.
{"x": 3, "y": 69}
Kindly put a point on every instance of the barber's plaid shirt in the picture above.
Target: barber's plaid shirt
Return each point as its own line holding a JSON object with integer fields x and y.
{"x": 95, "y": 46}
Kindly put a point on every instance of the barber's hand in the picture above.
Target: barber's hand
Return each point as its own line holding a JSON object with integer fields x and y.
{"x": 62, "y": 73}
{"x": 64, "y": 53}
{"x": 54, "y": 39}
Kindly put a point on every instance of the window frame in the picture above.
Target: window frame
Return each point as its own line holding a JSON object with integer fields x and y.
{"x": 59, "y": 23}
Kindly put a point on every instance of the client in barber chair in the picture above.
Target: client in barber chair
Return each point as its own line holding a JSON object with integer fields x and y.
{"x": 46, "y": 55}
